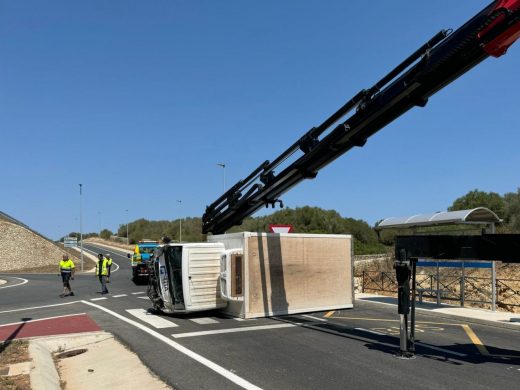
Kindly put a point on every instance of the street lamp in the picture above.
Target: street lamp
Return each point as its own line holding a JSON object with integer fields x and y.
{"x": 180, "y": 221}
{"x": 223, "y": 166}
{"x": 127, "y": 242}
{"x": 81, "y": 223}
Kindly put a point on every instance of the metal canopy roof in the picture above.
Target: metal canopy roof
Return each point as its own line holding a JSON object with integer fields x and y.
{"x": 474, "y": 216}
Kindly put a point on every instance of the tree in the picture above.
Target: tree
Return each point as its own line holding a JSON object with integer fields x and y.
{"x": 476, "y": 198}
{"x": 512, "y": 211}
{"x": 105, "y": 234}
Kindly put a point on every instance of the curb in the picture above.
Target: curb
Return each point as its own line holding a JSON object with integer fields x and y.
{"x": 471, "y": 320}
{"x": 43, "y": 373}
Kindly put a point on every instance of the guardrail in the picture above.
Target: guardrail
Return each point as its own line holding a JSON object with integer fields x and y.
{"x": 475, "y": 291}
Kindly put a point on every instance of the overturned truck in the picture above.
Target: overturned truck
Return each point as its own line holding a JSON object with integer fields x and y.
{"x": 252, "y": 275}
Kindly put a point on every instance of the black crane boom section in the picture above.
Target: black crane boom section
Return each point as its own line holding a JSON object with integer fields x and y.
{"x": 441, "y": 60}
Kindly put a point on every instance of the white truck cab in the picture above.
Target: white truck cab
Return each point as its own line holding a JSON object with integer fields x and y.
{"x": 185, "y": 277}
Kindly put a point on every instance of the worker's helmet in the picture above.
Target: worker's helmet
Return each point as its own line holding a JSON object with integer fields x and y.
{"x": 65, "y": 257}
{"x": 107, "y": 255}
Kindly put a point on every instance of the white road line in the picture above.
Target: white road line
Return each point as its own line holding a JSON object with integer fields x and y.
{"x": 39, "y": 307}
{"x": 195, "y": 356}
{"x": 23, "y": 281}
{"x": 441, "y": 349}
{"x": 43, "y": 319}
{"x": 143, "y": 297}
{"x": 314, "y": 318}
{"x": 371, "y": 331}
{"x": 98, "y": 299}
{"x": 243, "y": 319}
{"x": 96, "y": 253}
{"x": 119, "y": 296}
{"x": 137, "y": 293}
{"x": 155, "y": 321}
{"x": 232, "y": 330}
{"x": 204, "y": 321}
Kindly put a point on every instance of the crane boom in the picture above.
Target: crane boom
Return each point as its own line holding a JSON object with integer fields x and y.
{"x": 441, "y": 60}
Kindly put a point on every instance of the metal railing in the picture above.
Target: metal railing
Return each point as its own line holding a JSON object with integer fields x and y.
{"x": 475, "y": 291}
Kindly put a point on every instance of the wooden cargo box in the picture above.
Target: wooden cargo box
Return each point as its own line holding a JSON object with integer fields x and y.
{"x": 289, "y": 273}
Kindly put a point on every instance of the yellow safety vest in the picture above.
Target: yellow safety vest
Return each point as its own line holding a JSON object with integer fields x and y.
{"x": 66, "y": 266}
{"x": 104, "y": 270}
{"x": 109, "y": 261}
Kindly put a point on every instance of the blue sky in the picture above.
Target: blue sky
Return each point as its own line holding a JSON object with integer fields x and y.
{"x": 139, "y": 100}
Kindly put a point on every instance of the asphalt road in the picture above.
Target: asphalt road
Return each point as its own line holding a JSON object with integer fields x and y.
{"x": 333, "y": 350}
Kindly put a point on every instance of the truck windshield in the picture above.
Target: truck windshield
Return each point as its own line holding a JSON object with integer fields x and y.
{"x": 147, "y": 250}
{"x": 173, "y": 260}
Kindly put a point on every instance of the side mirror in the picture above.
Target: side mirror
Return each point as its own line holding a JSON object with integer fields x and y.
{"x": 128, "y": 255}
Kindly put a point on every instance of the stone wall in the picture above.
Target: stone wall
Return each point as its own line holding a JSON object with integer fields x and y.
{"x": 20, "y": 249}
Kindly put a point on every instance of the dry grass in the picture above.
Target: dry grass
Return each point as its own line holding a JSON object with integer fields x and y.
{"x": 12, "y": 352}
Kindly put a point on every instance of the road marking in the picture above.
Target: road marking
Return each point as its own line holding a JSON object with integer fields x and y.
{"x": 137, "y": 293}
{"x": 155, "y": 321}
{"x": 389, "y": 320}
{"x": 314, "y": 318}
{"x": 204, "y": 321}
{"x": 38, "y": 307}
{"x": 329, "y": 314}
{"x": 243, "y": 319}
{"x": 43, "y": 319}
{"x": 23, "y": 281}
{"x": 119, "y": 296}
{"x": 475, "y": 340}
{"x": 98, "y": 299}
{"x": 143, "y": 297}
{"x": 370, "y": 331}
{"x": 96, "y": 253}
{"x": 232, "y": 330}
{"x": 441, "y": 349}
{"x": 195, "y": 356}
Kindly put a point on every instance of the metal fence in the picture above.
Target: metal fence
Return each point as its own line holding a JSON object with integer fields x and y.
{"x": 475, "y": 291}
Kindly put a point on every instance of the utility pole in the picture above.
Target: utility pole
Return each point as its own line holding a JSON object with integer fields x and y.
{"x": 127, "y": 242}
{"x": 223, "y": 166}
{"x": 81, "y": 223}
{"x": 180, "y": 221}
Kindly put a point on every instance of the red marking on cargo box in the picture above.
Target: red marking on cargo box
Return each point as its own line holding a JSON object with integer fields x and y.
{"x": 76, "y": 323}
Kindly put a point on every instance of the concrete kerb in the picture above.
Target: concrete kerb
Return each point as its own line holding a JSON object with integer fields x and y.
{"x": 98, "y": 355}
{"x": 512, "y": 324}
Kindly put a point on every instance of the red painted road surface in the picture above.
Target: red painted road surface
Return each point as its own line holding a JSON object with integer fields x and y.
{"x": 48, "y": 327}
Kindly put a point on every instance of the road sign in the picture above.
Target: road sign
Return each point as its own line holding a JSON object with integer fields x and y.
{"x": 70, "y": 242}
{"x": 280, "y": 228}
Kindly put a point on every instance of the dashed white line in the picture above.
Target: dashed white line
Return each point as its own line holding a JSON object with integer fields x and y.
{"x": 119, "y": 296}
{"x": 98, "y": 299}
{"x": 137, "y": 293}
{"x": 204, "y": 321}
{"x": 143, "y": 297}
{"x": 195, "y": 356}
{"x": 232, "y": 330}
{"x": 371, "y": 331}
{"x": 155, "y": 321}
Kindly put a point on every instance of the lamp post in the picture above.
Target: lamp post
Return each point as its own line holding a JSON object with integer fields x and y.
{"x": 127, "y": 242}
{"x": 223, "y": 166}
{"x": 81, "y": 223}
{"x": 180, "y": 221}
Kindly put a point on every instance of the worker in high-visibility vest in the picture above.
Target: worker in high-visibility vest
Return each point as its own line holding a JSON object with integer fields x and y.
{"x": 102, "y": 272}
{"x": 109, "y": 265}
{"x": 67, "y": 270}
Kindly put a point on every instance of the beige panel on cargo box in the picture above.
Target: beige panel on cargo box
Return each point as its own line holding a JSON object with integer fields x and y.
{"x": 290, "y": 274}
